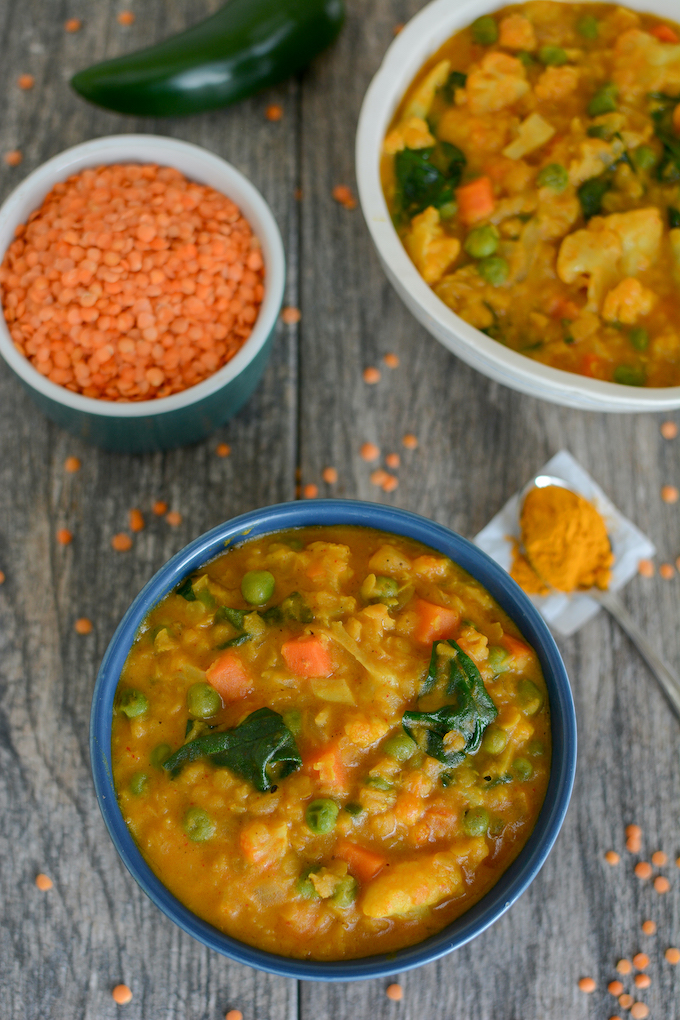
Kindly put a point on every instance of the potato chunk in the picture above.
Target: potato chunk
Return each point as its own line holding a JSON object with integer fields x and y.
{"x": 429, "y": 247}
{"x": 499, "y": 81}
{"x": 421, "y": 100}
{"x": 410, "y": 133}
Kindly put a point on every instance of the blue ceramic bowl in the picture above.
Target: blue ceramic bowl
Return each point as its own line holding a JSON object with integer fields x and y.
{"x": 513, "y": 600}
{"x": 183, "y": 417}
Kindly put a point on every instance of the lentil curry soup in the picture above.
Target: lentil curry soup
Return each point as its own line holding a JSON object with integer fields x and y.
{"x": 533, "y": 174}
{"x": 330, "y": 742}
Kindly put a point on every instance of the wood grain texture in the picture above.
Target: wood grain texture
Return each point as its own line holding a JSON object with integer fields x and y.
{"x": 63, "y": 951}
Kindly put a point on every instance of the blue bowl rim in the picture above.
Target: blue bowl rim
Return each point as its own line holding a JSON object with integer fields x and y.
{"x": 508, "y": 594}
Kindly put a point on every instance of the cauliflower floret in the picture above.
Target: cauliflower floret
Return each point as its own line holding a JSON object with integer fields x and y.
{"x": 640, "y": 232}
{"x": 556, "y": 82}
{"x": 498, "y": 82}
{"x": 474, "y": 134}
{"x": 644, "y": 64}
{"x": 627, "y": 302}
{"x": 363, "y": 731}
{"x": 430, "y": 248}
{"x": 264, "y": 843}
{"x": 556, "y": 213}
{"x": 595, "y": 156}
{"x": 464, "y": 292}
{"x": 421, "y": 100}
{"x": 411, "y": 133}
{"x": 532, "y": 133}
{"x": 590, "y": 258}
{"x": 517, "y": 33}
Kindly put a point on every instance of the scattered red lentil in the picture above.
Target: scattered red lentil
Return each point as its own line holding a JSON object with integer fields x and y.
{"x": 666, "y": 571}
{"x": 297, "y": 194}
{"x": 291, "y": 315}
{"x": 64, "y": 536}
{"x": 646, "y": 568}
{"x": 394, "y": 992}
{"x": 330, "y": 475}
{"x": 71, "y": 465}
{"x": 640, "y": 961}
{"x": 160, "y": 507}
{"x": 44, "y": 882}
{"x": 615, "y": 987}
{"x": 371, "y": 375}
{"x": 624, "y": 966}
{"x": 25, "y": 81}
{"x": 393, "y": 460}
{"x": 391, "y": 360}
{"x": 669, "y": 430}
{"x": 73, "y": 25}
{"x": 669, "y": 494}
{"x": 633, "y": 844}
{"x": 125, "y": 18}
{"x": 642, "y": 980}
{"x": 379, "y": 477}
{"x": 611, "y": 857}
{"x": 649, "y": 927}
{"x": 672, "y": 955}
{"x": 369, "y": 451}
{"x": 389, "y": 484}
{"x": 310, "y": 491}
{"x": 122, "y": 995}
{"x": 639, "y": 1011}
{"x": 131, "y": 282}
{"x": 174, "y": 518}
{"x": 223, "y": 449}
{"x": 345, "y": 196}
{"x": 410, "y": 441}
{"x": 136, "y": 520}
{"x": 234, "y": 1014}
{"x": 83, "y": 626}
{"x": 13, "y": 157}
{"x": 633, "y": 832}
{"x": 661, "y": 884}
{"x": 659, "y": 858}
{"x": 587, "y": 985}
{"x": 643, "y": 870}
{"x": 2, "y": 577}
{"x": 121, "y": 542}
{"x": 614, "y": 1018}
{"x": 274, "y": 112}
{"x": 626, "y": 1000}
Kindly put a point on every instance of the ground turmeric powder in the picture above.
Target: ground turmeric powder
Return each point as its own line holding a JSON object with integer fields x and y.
{"x": 565, "y": 543}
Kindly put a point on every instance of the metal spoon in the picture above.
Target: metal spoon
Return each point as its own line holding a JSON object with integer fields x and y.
{"x": 667, "y": 677}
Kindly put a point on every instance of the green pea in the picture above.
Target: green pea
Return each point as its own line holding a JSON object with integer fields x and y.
{"x": 588, "y": 27}
{"x": 304, "y": 885}
{"x": 552, "y": 56}
{"x": 448, "y": 210}
{"x": 293, "y": 721}
{"x": 495, "y": 740}
{"x": 378, "y": 782}
{"x": 133, "y": 703}
{"x": 476, "y": 821}
{"x": 553, "y": 176}
{"x": 353, "y": 809}
{"x": 159, "y": 755}
{"x": 499, "y": 659}
{"x": 139, "y": 783}
{"x": 482, "y": 241}
{"x": 644, "y": 157}
{"x": 345, "y": 893}
{"x": 639, "y": 337}
{"x": 198, "y": 825}
{"x": 386, "y": 587}
{"x": 604, "y": 100}
{"x": 203, "y": 701}
{"x": 522, "y": 769}
{"x": 484, "y": 30}
{"x": 525, "y": 58}
{"x": 494, "y": 270}
{"x": 535, "y": 748}
{"x": 400, "y": 746}
{"x": 629, "y": 375}
{"x": 257, "y": 587}
{"x": 530, "y": 697}
{"x": 321, "y": 815}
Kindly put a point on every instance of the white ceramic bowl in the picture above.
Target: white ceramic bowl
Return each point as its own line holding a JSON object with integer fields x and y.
{"x": 417, "y": 41}
{"x": 195, "y": 412}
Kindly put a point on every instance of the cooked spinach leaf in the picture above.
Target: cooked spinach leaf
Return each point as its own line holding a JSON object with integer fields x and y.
{"x": 591, "y": 193}
{"x": 186, "y": 590}
{"x": 294, "y": 609}
{"x": 456, "y": 80}
{"x": 668, "y": 169}
{"x": 261, "y": 750}
{"x": 673, "y": 218}
{"x": 468, "y": 714}
{"x": 427, "y": 177}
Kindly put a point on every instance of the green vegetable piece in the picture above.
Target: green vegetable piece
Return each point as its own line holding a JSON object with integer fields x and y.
{"x": 530, "y": 697}
{"x": 525, "y": 58}
{"x": 639, "y": 337}
{"x": 206, "y": 597}
{"x": 629, "y": 375}
{"x": 476, "y": 821}
{"x": 261, "y": 750}
{"x": 138, "y": 783}
{"x": 588, "y": 27}
{"x": 448, "y": 210}
{"x": 305, "y": 887}
{"x": 668, "y": 170}
{"x": 353, "y": 809}
{"x": 321, "y": 816}
{"x": 604, "y": 100}
{"x": 345, "y": 893}
{"x": 673, "y": 218}
{"x": 553, "y": 176}
{"x": 535, "y": 748}
{"x": 599, "y": 131}
{"x": 644, "y": 157}
{"x": 482, "y": 241}
{"x": 495, "y": 740}
{"x": 522, "y": 770}
{"x": 378, "y": 782}
{"x": 245, "y": 47}
{"x": 400, "y": 746}
{"x": 257, "y": 587}
{"x": 198, "y": 825}
{"x": 456, "y": 80}
{"x": 591, "y": 193}
{"x": 499, "y": 659}
{"x": 484, "y": 30}
{"x": 494, "y": 270}
{"x": 427, "y": 177}
{"x": 133, "y": 703}
{"x": 186, "y": 590}
{"x": 293, "y": 721}
{"x": 160, "y": 755}
{"x": 293, "y": 608}
{"x": 203, "y": 701}
{"x": 552, "y": 56}
{"x": 234, "y": 616}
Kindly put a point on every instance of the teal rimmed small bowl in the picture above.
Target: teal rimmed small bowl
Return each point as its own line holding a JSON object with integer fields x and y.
{"x": 191, "y": 415}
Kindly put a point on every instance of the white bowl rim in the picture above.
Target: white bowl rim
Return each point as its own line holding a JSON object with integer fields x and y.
{"x": 416, "y": 42}
{"x": 162, "y": 150}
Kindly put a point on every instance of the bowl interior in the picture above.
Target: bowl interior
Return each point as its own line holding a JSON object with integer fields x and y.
{"x": 291, "y": 515}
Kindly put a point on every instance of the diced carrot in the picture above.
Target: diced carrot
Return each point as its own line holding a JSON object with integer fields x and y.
{"x": 664, "y": 33}
{"x": 591, "y": 365}
{"x": 364, "y": 863}
{"x": 329, "y": 767}
{"x": 475, "y": 200}
{"x": 434, "y": 622}
{"x": 229, "y": 677}
{"x": 521, "y": 653}
{"x": 563, "y": 308}
{"x": 307, "y": 656}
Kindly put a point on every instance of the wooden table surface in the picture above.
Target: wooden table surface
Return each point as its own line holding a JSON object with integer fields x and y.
{"x": 62, "y": 951}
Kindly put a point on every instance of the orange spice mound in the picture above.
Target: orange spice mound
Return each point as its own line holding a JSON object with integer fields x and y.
{"x": 131, "y": 282}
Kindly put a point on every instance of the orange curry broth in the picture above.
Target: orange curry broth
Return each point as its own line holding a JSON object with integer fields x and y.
{"x": 415, "y": 842}
{"x": 599, "y": 295}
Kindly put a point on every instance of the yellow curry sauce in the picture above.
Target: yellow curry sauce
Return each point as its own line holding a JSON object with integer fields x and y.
{"x": 330, "y": 742}
{"x": 532, "y": 171}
